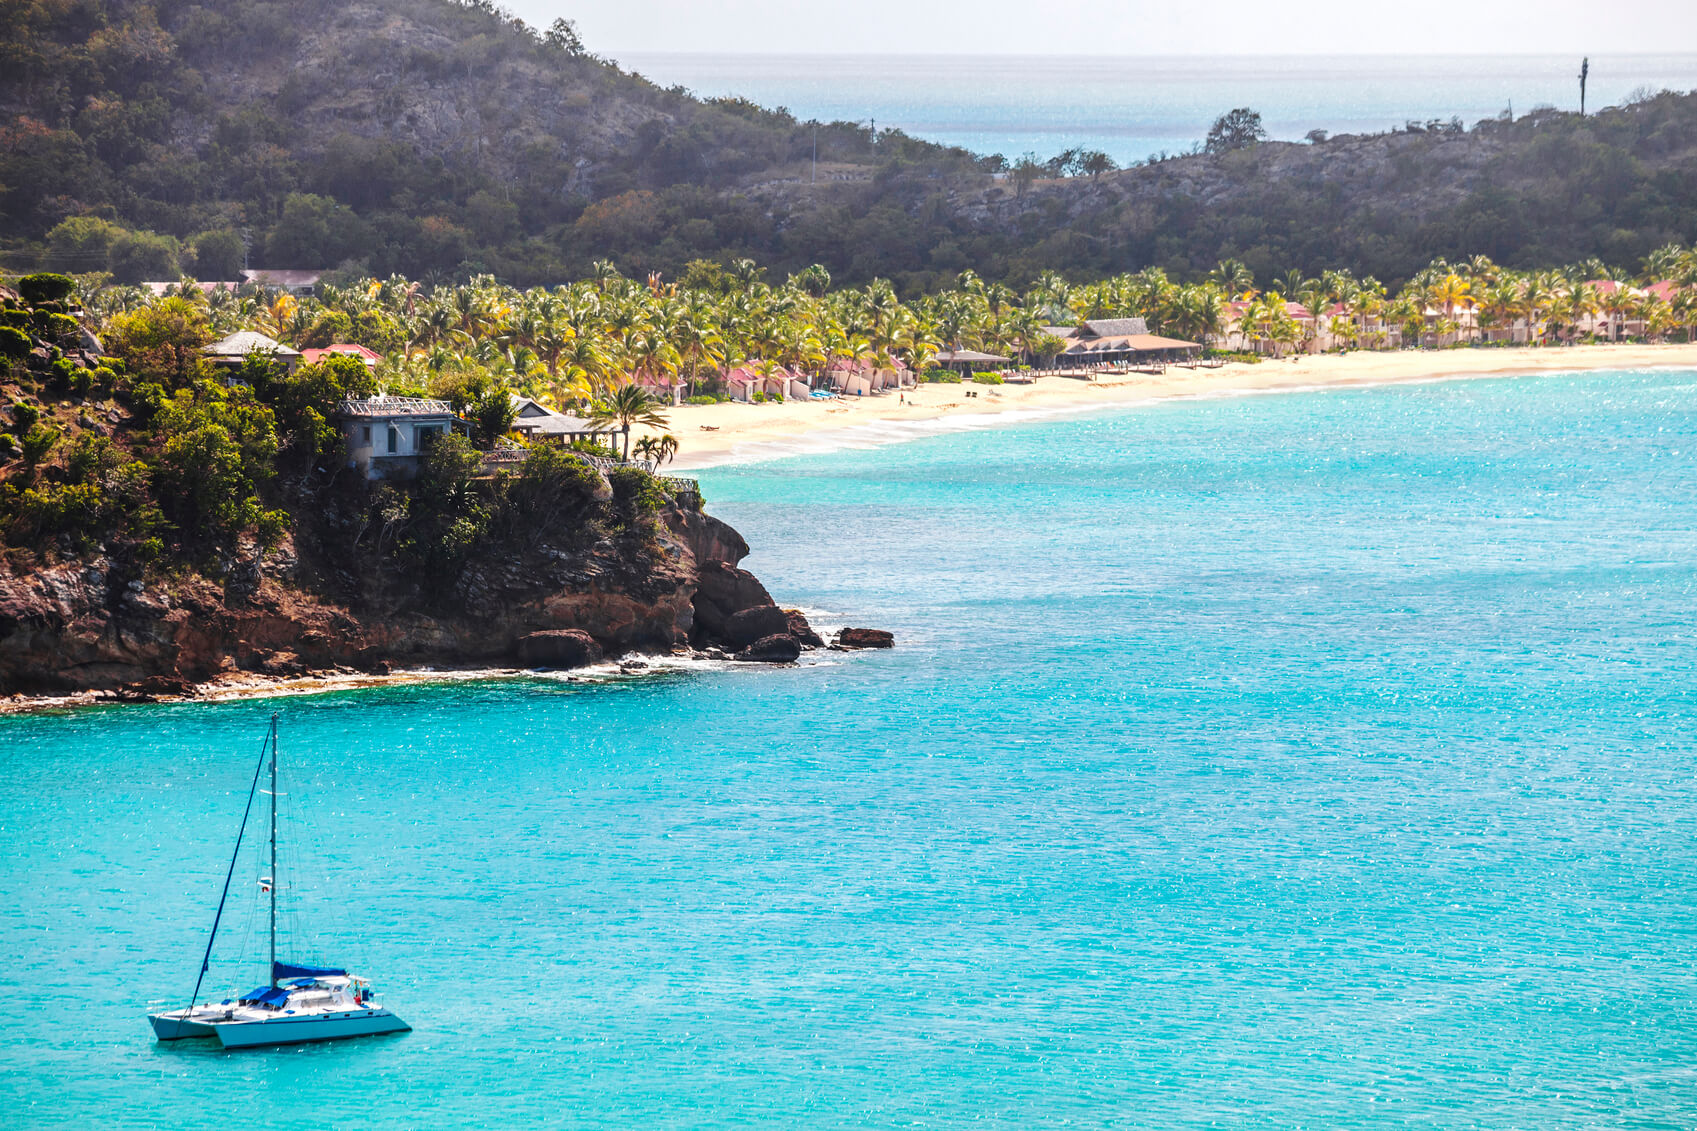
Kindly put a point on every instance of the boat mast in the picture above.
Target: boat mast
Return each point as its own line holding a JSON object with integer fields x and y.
{"x": 273, "y": 970}
{"x": 206, "y": 959}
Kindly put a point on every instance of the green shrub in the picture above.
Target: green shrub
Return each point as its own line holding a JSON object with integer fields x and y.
{"x": 759, "y": 398}
{"x": 16, "y": 319}
{"x": 636, "y": 494}
{"x": 37, "y": 442}
{"x": 148, "y": 398}
{"x": 987, "y": 378}
{"x": 24, "y": 416}
{"x": 941, "y": 376}
{"x": 271, "y": 527}
{"x": 53, "y": 509}
{"x": 60, "y": 373}
{"x": 162, "y": 341}
{"x": 704, "y": 399}
{"x": 149, "y": 550}
{"x": 92, "y": 459}
{"x": 37, "y": 289}
{"x": 14, "y": 343}
{"x": 8, "y": 446}
{"x": 552, "y": 489}
{"x": 593, "y": 448}
{"x": 62, "y": 329}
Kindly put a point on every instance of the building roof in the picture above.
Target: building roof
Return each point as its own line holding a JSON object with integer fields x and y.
{"x": 947, "y": 356}
{"x": 1111, "y": 327}
{"x": 534, "y": 416}
{"x": 393, "y": 408}
{"x": 1128, "y": 343}
{"x": 159, "y": 290}
{"x": 244, "y": 342}
{"x": 348, "y": 349}
{"x": 283, "y": 277}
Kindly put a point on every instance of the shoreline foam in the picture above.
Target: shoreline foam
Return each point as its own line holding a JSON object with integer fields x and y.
{"x": 721, "y": 434}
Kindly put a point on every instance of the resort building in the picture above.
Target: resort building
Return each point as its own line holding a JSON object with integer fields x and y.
{"x": 276, "y": 279}
{"x": 385, "y": 436}
{"x": 371, "y": 358}
{"x": 537, "y": 422}
{"x": 1117, "y": 341}
{"x": 969, "y": 361}
{"x": 161, "y": 289}
{"x": 235, "y": 349}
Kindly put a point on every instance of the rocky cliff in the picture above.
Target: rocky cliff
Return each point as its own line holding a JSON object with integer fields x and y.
{"x": 99, "y": 623}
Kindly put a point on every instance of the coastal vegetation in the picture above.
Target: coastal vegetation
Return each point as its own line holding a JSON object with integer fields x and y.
{"x": 122, "y": 431}
{"x": 154, "y": 452}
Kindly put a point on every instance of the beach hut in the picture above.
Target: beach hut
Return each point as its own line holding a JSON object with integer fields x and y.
{"x": 969, "y": 361}
{"x": 744, "y": 381}
{"x": 776, "y": 383}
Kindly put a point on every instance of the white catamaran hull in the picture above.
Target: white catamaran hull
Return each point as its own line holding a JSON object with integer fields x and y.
{"x": 176, "y": 1027}
{"x": 312, "y": 1027}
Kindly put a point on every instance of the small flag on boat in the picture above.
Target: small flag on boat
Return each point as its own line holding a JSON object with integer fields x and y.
{"x": 265, "y": 883}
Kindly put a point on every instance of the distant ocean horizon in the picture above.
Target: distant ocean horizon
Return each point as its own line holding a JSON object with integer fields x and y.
{"x": 1134, "y": 108}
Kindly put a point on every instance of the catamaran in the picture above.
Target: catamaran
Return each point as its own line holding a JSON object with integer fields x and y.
{"x": 301, "y": 1003}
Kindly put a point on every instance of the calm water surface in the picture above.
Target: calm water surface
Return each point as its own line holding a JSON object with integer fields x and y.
{"x": 1133, "y": 107}
{"x": 1310, "y": 760}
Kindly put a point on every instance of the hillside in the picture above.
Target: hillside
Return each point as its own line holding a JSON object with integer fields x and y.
{"x": 440, "y": 140}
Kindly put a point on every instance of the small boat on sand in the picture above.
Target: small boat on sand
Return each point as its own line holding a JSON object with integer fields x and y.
{"x": 300, "y": 1003}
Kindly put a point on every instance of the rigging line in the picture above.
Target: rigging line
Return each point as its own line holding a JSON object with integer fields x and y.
{"x": 206, "y": 959}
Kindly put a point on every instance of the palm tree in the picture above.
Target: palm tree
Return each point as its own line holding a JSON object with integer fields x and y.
{"x": 1684, "y": 307}
{"x": 1232, "y": 276}
{"x": 1454, "y": 296}
{"x": 1618, "y": 303}
{"x": 626, "y": 406}
{"x": 1537, "y": 295}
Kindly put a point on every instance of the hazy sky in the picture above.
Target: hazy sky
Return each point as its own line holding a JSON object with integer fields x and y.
{"x": 1122, "y": 27}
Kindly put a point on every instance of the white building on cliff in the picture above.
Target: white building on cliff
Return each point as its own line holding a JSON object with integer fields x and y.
{"x": 385, "y": 436}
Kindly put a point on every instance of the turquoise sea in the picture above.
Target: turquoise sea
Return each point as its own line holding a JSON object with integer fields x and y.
{"x": 1309, "y": 760}
{"x": 1134, "y": 106}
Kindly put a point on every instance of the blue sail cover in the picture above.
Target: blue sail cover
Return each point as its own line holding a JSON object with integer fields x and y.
{"x": 266, "y": 995}
{"x": 282, "y": 970}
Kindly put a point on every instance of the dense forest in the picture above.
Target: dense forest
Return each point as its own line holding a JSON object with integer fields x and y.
{"x": 446, "y": 140}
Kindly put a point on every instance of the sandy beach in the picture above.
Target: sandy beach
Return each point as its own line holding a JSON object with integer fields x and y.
{"x": 718, "y": 434}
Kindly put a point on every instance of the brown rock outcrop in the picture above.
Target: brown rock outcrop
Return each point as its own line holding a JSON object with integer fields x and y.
{"x": 865, "y": 638}
{"x": 722, "y": 590}
{"x": 801, "y": 630}
{"x": 559, "y": 648}
{"x": 744, "y": 628}
{"x": 780, "y": 648}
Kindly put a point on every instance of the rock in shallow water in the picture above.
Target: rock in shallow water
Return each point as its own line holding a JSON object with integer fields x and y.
{"x": 802, "y": 631}
{"x": 865, "y": 638}
{"x": 559, "y": 648}
{"x": 775, "y": 649}
{"x": 749, "y": 625}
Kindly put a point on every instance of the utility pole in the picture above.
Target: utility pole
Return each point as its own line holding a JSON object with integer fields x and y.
{"x": 1584, "y": 73}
